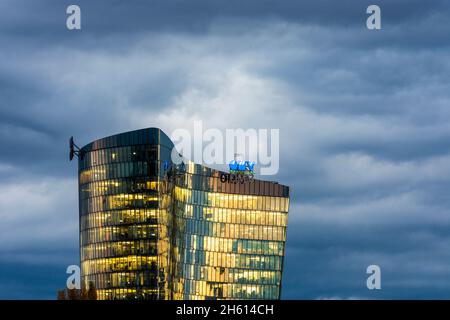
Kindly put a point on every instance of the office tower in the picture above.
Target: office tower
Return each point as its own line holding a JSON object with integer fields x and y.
{"x": 151, "y": 229}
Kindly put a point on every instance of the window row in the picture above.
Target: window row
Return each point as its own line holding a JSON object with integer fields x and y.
{"x": 214, "y": 183}
{"x": 124, "y": 154}
{"x": 149, "y": 247}
{"x": 148, "y": 278}
{"x": 119, "y": 217}
{"x": 119, "y": 248}
{"x": 119, "y": 201}
{"x": 153, "y": 216}
{"x": 230, "y": 230}
{"x": 229, "y": 260}
{"x": 129, "y": 294}
{"x": 206, "y": 290}
{"x": 119, "y": 264}
{"x": 132, "y": 232}
{"x": 142, "y": 278}
{"x": 260, "y": 247}
{"x": 117, "y": 186}
{"x": 225, "y": 200}
{"x": 220, "y": 274}
{"x": 143, "y": 169}
{"x": 119, "y": 170}
{"x": 215, "y": 214}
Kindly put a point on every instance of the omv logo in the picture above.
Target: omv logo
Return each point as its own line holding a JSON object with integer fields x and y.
{"x": 241, "y": 166}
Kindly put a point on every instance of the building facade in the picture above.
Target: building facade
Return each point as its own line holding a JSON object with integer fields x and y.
{"x": 150, "y": 229}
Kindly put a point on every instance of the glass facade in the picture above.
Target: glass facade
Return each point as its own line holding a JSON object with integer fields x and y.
{"x": 147, "y": 234}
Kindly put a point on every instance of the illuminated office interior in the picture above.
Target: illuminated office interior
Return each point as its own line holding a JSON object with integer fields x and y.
{"x": 147, "y": 235}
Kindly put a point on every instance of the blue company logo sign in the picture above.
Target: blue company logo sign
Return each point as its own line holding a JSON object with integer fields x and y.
{"x": 242, "y": 167}
{"x": 240, "y": 172}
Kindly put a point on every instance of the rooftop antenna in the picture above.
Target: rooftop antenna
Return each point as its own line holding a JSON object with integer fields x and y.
{"x": 74, "y": 150}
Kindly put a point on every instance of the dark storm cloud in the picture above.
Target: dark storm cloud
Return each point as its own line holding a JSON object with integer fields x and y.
{"x": 44, "y": 18}
{"x": 413, "y": 258}
{"x": 363, "y": 118}
{"x": 31, "y": 281}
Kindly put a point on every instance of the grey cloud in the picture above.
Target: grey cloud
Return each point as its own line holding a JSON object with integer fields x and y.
{"x": 363, "y": 119}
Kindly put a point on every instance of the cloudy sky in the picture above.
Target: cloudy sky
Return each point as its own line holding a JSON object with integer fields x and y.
{"x": 364, "y": 119}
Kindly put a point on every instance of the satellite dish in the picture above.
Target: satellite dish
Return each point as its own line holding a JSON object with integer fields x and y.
{"x": 73, "y": 149}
